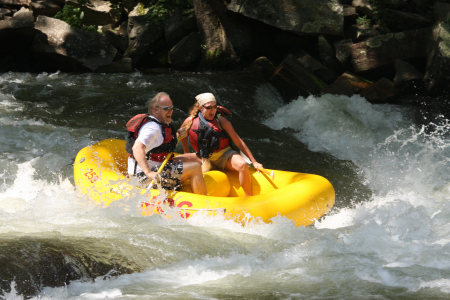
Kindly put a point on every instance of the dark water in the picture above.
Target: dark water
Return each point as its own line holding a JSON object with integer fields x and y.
{"x": 385, "y": 238}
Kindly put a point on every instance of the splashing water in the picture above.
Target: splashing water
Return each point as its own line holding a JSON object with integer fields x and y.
{"x": 393, "y": 245}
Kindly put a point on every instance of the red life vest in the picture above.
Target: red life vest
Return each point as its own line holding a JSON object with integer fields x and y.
{"x": 207, "y": 137}
{"x": 159, "y": 153}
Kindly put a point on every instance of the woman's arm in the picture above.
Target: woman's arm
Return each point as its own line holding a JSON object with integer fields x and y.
{"x": 226, "y": 125}
{"x": 184, "y": 141}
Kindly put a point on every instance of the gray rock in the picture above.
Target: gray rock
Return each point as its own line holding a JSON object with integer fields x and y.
{"x": 437, "y": 77}
{"x": 118, "y": 37}
{"x": 47, "y": 8}
{"x": 343, "y": 50}
{"x": 441, "y": 11}
{"x": 262, "y": 66}
{"x": 363, "y": 7}
{"x": 14, "y": 2}
{"x": 347, "y": 84}
{"x": 57, "y": 37}
{"x": 142, "y": 39}
{"x": 179, "y": 26}
{"x": 219, "y": 34}
{"x": 122, "y": 66}
{"x": 405, "y": 73}
{"x": 301, "y": 17}
{"x": 380, "y": 91}
{"x": 385, "y": 49}
{"x": 5, "y": 12}
{"x": 315, "y": 66}
{"x": 186, "y": 52}
{"x": 395, "y": 19}
{"x": 16, "y": 38}
{"x": 292, "y": 79}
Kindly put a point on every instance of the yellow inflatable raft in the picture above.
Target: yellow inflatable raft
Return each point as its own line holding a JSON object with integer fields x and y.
{"x": 100, "y": 172}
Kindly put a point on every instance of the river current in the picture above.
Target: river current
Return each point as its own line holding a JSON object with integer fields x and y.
{"x": 387, "y": 237}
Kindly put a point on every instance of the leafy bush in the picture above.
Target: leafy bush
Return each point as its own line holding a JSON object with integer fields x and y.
{"x": 363, "y": 21}
{"x": 161, "y": 10}
{"x": 73, "y": 16}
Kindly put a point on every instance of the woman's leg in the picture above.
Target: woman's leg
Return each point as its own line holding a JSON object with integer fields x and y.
{"x": 237, "y": 163}
{"x": 188, "y": 157}
{"x": 193, "y": 171}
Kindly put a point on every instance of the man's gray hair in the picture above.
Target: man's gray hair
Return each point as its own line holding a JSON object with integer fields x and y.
{"x": 155, "y": 100}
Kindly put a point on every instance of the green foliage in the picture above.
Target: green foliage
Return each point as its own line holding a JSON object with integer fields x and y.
{"x": 73, "y": 16}
{"x": 161, "y": 10}
{"x": 140, "y": 9}
{"x": 363, "y": 21}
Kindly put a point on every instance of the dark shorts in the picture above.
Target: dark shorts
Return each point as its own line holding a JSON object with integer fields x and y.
{"x": 170, "y": 176}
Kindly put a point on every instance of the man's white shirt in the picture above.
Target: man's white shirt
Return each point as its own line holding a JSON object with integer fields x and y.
{"x": 150, "y": 134}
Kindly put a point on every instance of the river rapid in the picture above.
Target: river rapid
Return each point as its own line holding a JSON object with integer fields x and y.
{"x": 387, "y": 237}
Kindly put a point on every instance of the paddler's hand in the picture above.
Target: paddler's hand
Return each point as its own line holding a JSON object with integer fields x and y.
{"x": 258, "y": 166}
{"x": 182, "y": 133}
{"x": 153, "y": 176}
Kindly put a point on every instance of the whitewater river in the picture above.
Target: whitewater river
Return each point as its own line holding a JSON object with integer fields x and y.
{"x": 387, "y": 237}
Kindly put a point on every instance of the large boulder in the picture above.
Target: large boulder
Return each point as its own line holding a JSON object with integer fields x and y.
{"x": 380, "y": 92}
{"x": 363, "y": 7}
{"x": 14, "y": 2}
{"x": 122, "y": 66}
{"x": 438, "y": 61}
{"x": 142, "y": 38}
{"x": 442, "y": 11}
{"x": 342, "y": 49}
{"x": 225, "y": 37}
{"x": 347, "y": 84}
{"x": 301, "y": 17}
{"x": 4, "y": 12}
{"x": 179, "y": 26}
{"x": 54, "y": 36}
{"x": 47, "y": 8}
{"x": 396, "y": 19}
{"x": 186, "y": 52}
{"x": 261, "y": 67}
{"x": 16, "y": 38}
{"x": 383, "y": 50}
{"x": 315, "y": 66}
{"x": 293, "y": 79}
{"x": 406, "y": 74}
{"x": 118, "y": 37}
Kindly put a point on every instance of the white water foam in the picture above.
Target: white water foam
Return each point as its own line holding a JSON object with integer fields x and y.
{"x": 395, "y": 243}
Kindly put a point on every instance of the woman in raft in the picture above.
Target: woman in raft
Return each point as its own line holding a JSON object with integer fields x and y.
{"x": 210, "y": 133}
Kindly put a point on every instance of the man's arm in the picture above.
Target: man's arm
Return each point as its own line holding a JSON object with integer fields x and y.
{"x": 140, "y": 156}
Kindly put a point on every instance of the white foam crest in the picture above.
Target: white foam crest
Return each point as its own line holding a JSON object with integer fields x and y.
{"x": 31, "y": 122}
{"x": 8, "y": 103}
{"x": 347, "y": 127}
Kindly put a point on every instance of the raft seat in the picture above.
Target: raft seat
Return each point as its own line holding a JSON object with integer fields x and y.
{"x": 217, "y": 184}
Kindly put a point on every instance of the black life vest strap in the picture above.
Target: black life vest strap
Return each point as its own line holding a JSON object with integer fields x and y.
{"x": 168, "y": 147}
{"x": 222, "y": 134}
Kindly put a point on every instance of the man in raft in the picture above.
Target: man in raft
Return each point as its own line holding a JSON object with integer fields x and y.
{"x": 151, "y": 138}
{"x": 210, "y": 134}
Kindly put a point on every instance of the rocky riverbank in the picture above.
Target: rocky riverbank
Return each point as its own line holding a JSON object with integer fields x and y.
{"x": 384, "y": 50}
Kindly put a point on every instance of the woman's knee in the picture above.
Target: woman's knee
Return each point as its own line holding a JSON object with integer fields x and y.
{"x": 240, "y": 164}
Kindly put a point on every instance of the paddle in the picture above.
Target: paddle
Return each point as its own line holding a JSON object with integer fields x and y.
{"x": 247, "y": 160}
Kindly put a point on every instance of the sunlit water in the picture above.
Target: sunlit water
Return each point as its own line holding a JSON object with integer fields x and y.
{"x": 387, "y": 237}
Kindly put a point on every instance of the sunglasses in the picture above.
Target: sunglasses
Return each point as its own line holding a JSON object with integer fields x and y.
{"x": 166, "y": 108}
{"x": 210, "y": 107}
